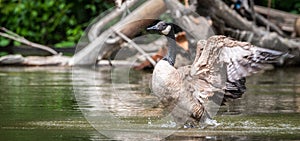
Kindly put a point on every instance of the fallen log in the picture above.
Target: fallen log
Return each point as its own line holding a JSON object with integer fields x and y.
{"x": 11, "y": 59}
{"x": 30, "y": 51}
{"x": 129, "y": 26}
{"x": 19, "y": 60}
{"x": 283, "y": 19}
{"x": 197, "y": 27}
{"x": 55, "y": 60}
{"x": 258, "y": 36}
{"x": 97, "y": 27}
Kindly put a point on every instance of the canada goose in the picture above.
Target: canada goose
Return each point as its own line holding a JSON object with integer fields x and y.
{"x": 217, "y": 73}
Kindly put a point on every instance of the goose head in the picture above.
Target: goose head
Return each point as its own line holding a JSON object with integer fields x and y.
{"x": 161, "y": 28}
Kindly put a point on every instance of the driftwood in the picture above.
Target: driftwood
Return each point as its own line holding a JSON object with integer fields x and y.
{"x": 30, "y": 51}
{"x": 13, "y": 36}
{"x": 240, "y": 28}
{"x": 225, "y": 21}
{"x": 284, "y": 20}
{"x": 55, "y": 60}
{"x": 129, "y": 26}
{"x": 148, "y": 57}
{"x": 194, "y": 25}
{"x": 269, "y": 25}
{"x": 97, "y": 27}
{"x": 11, "y": 59}
{"x": 116, "y": 63}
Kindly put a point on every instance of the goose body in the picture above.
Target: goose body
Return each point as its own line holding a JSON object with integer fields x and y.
{"x": 217, "y": 73}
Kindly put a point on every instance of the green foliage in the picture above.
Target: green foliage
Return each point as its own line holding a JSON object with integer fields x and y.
{"x": 64, "y": 44}
{"x": 59, "y": 22}
{"x": 292, "y": 6}
{"x": 3, "y": 53}
{"x": 3, "y": 42}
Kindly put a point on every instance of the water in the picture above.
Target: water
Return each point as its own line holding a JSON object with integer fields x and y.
{"x": 39, "y": 103}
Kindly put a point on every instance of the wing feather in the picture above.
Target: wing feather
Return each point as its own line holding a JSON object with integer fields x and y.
{"x": 225, "y": 63}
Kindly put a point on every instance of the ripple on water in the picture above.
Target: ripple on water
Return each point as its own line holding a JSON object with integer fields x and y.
{"x": 41, "y": 99}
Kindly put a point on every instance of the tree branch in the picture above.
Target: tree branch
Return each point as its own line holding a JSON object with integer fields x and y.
{"x": 99, "y": 25}
{"x": 136, "y": 47}
{"x": 13, "y": 36}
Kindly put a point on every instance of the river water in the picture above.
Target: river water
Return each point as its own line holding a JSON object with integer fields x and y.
{"x": 56, "y": 103}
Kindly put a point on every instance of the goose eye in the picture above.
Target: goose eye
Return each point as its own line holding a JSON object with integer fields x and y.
{"x": 162, "y": 26}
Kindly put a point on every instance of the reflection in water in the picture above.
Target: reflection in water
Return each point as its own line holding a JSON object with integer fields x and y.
{"x": 121, "y": 107}
{"x": 271, "y": 92}
{"x": 39, "y": 103}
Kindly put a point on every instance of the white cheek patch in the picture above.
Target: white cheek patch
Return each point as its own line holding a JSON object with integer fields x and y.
{"x": 167, "y": 30}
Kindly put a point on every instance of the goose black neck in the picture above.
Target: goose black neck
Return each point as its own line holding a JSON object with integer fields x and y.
{"x": 171, "y": 54}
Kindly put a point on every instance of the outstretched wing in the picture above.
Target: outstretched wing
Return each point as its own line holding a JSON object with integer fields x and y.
{"x": 224, "y": 63}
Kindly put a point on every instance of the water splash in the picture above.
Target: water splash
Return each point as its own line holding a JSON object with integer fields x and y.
{"x": 149, "y": 121}
{"x": 209, "y": 123}
{"x": 169, "y": 124}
